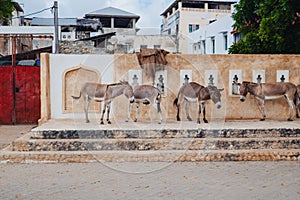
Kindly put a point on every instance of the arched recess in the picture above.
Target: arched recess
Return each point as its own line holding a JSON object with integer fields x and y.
{"x": 73, "y": 80}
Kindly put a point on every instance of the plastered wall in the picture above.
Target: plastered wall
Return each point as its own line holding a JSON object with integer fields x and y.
{"x": 198, "y": 68}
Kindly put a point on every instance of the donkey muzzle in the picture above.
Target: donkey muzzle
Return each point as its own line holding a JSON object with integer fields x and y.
{"x": 242, "y": 98}
{"x": 219, "y": 105}
{"x": 131, "y": 100}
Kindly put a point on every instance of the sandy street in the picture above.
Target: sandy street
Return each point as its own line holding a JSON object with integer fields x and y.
{"x": 204, "y": 180}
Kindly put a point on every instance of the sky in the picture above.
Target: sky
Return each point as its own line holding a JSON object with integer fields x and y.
{"x": 148, "y": 10}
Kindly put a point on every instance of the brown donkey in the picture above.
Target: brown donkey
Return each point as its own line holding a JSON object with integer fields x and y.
{"x": 269, "y": 91}
{"x": 106, "y": 93}
{"x": 146, "y": 94}
{"x": 194, "y": 92}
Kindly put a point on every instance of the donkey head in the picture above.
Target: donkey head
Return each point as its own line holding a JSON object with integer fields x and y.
{"x": 128, "y": 91}
{"x": 215, "y": 95}
{"x": 243, "y": 90}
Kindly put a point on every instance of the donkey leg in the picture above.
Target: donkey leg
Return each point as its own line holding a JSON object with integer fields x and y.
{"x": 159, "y": 112}
{"x": 86, "y": 108}
{"x": 136, "y": 111}
{"x": 292, "y": 109}
{"x": 204, "y": 112}
{"x": 187, "y": 109}
{"x": 297, "y": 103}
{"x": 179, "y": 103}
{"x": 178, "y": 110}
{"x": 108, "y": 110}
{"x": 130, "y": 109}
{"x": 262, "y": 105}
{"x": 199, "y": 112}
{"x": 103, "y": 111}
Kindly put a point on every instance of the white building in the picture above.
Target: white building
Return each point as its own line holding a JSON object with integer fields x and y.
{"x": 214, "y": 38}
{"x": 185, "y": 16}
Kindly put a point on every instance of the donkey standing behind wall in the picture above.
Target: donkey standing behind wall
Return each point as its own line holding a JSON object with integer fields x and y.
{"x": 106, "y": 93}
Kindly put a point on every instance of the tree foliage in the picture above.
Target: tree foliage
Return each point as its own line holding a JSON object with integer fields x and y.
{"x": 6, "y": 9}
{"x": 267, "y": 26}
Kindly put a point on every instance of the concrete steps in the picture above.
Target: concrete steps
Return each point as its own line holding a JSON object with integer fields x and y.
{"x": 155, "y": 144}
{"x": 141, "y": 144}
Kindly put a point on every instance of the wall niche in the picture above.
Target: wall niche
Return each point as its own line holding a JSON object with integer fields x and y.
{"x": 73, "y": 80}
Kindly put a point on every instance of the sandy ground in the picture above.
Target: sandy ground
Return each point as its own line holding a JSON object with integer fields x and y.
{"x": 154, "y": 180}
{"x": 205, "y": 180}
{"x": 10, "y": 133}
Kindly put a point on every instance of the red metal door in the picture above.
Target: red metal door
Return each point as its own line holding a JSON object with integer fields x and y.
{"x": 6, "y": 95}
{"x": 27, "y": 91}
{"x": 20, "y": 105}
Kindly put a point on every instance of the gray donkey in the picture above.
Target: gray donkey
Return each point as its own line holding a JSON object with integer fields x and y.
{"x": 106, "y": 93}
{"x": 194, "y": 92}
{"x": 146, "y": 94}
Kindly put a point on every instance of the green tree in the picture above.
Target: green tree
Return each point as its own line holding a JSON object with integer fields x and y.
{"x": 6, "y": 9}
{"x": 267, "y": 26}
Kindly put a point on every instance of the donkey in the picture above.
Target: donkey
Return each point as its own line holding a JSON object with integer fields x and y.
{"x": 270, "y": 91}
{"x": 106, "y": 93}
{"x": 194, "y": 92}
{"x": 146, "y": 94}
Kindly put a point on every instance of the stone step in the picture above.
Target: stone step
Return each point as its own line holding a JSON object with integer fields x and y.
{"x": 133, "y": 144}
{"x": 149, "y": 156}
{"x": 164, "y": 133}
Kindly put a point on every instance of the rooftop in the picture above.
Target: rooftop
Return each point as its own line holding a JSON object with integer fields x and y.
{"x": 112, "y": 12}
{"x": 195, "y": 2}
{"x": 36, "y": 21}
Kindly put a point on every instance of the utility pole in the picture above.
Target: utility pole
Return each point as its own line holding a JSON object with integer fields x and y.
{"x": 55, "y": 7}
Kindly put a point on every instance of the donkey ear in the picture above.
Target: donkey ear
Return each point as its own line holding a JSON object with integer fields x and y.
{"x": 221, "y": 89}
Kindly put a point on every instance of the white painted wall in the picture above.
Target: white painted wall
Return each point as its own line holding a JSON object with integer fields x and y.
{"x": 216, "y": 30}
{"x": 60, "y": 63}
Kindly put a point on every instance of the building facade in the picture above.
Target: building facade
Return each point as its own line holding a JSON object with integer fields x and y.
{"x": 185, "y": 16}
{"x": 214, "y": 38}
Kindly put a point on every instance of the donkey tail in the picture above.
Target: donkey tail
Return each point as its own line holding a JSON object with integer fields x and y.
{"x": 175, "y": 101}
{"x": 74, "y": 97}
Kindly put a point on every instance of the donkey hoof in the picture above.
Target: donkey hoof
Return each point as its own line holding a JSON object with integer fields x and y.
{"x": 135, "y": 120}
{"x": 205, "y": 120}
{"x": 126, "y": 120}
{"x": 290, "y": 120}
{"x": 109, "y": 122}
{"x": 190, "y": 119}
{"x": 101, "y": 122}
{"x": 198, "y": 121}
{"x": 178, "y": 118}
{"x": 159, "y": 122}
{"x": 87, "y": 121}
{"x": 262, "y": 119}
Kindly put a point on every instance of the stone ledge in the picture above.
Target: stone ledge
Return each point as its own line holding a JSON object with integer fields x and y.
{"x": 149, "y": 156}
{"x": 165, "y": 133}
{"x": 134, "y": 144}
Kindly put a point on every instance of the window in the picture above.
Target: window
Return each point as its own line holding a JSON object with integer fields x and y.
{"x": 190, "y": 28}
{"x": 225, "y": 41}
{"x": 156, "y": 46}
{"x": 143, "y": 47}
{"x": 213, "y": 45}
{"x": 193, "y": 27}
{"x": 204, "y": 46}
{"x": 237, "y": 37}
